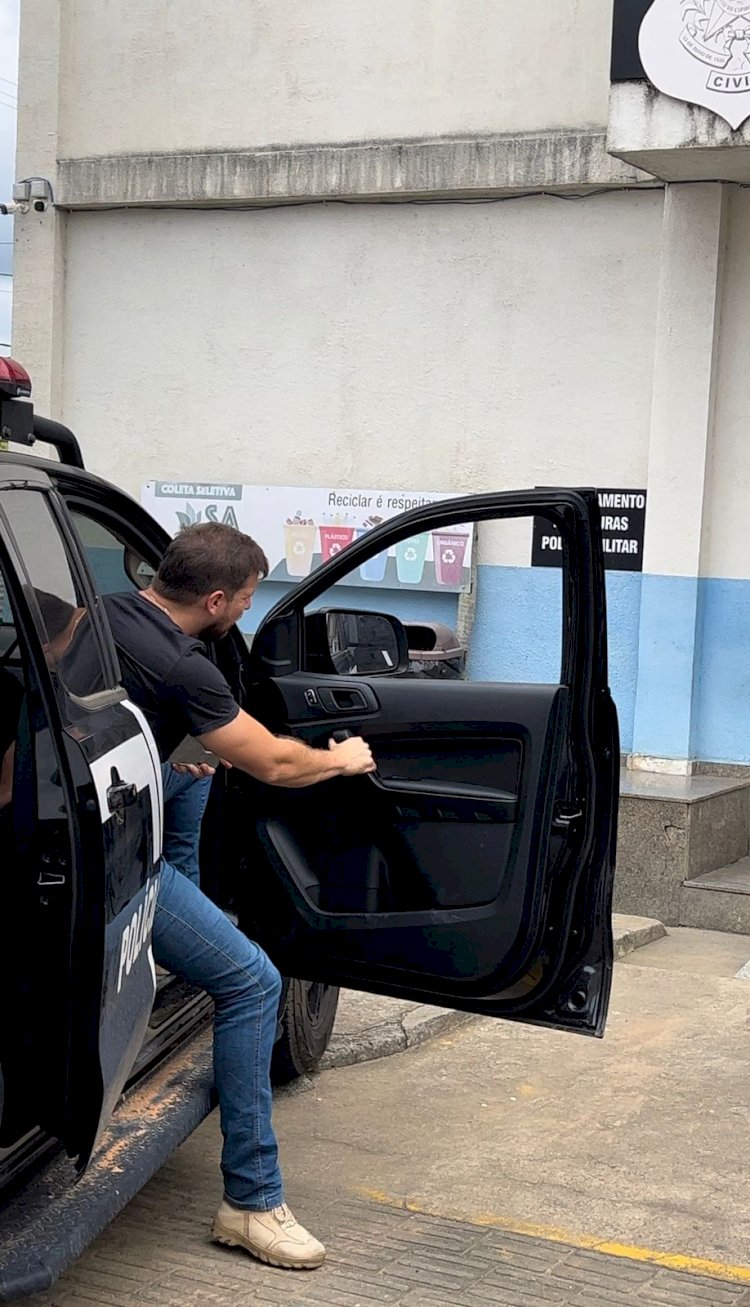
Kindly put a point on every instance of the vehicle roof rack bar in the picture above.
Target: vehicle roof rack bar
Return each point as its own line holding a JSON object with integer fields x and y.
{"x": 61, "y": 438}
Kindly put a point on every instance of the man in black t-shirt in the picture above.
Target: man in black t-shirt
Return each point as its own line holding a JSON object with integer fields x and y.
{"x": 205, "y": 583}
{"x": 180, "y": 692}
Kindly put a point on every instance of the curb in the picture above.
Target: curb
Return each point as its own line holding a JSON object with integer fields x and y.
{"x": 426, "y": 1022}
{"x": 415, "y": 1028}
{"x": 631, "y": 933}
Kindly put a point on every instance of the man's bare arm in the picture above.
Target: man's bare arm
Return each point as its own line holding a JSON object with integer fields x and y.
{"x": 246, "y": 744}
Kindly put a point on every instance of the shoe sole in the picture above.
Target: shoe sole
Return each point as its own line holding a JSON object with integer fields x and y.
{"x": 228, "y": 1240}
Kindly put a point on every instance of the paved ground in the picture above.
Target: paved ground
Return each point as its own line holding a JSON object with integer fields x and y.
{"x": 378, "y": 1256}
{"x": 369, "y": 1027}
{"x": 495, "y": 1165}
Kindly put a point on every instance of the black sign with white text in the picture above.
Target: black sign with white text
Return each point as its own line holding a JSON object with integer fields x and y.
{"x": 623, "y": 528}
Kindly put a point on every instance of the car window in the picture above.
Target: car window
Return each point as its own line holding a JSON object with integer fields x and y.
{"x": 8, "y": 637}
{"x": 67, "y": 627}
{"x": 115, "y": 566}
{"x": 481, "y": 614}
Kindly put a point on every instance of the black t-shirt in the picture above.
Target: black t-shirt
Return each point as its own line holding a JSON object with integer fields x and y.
{"x": 167, "y": 673}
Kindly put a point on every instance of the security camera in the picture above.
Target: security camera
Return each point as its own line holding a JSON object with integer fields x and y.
{"x": 32, "y": 193}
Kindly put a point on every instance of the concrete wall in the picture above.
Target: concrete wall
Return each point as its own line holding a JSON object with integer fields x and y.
{"x": 460, "y": 347}
{"x": 726, "y": 537}
{"x": 140, "y": 77}
{"x": 722, "y": 708}
{"x": 456, "y": 347}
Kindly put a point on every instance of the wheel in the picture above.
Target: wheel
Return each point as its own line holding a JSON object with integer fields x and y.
{"x": 306, "y": 1027}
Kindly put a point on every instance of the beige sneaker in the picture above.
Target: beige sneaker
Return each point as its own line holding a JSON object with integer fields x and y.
{"x": 276, "y": 1237}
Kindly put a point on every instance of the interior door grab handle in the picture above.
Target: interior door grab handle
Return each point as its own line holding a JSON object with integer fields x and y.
{"x": 447, "y": 790}
{"x": 339, "y": 737}
{"x": 348, "y": 700}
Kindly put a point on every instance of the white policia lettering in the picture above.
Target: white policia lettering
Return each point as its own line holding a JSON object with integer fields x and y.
{"x": 610, "y": 545}
{"x": 137, "y": 932}
{"x": 699, "y": 51}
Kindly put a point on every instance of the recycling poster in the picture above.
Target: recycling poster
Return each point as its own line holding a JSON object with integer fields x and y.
{"x": 299, "y": 528}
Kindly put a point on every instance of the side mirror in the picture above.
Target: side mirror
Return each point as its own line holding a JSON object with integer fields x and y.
{"x": 349, "y": 643}
{"x": 137, "y": 569}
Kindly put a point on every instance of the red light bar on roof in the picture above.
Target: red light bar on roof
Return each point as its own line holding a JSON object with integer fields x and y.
{"x": 14, "y": 379}
{"x": 19, "y": 425}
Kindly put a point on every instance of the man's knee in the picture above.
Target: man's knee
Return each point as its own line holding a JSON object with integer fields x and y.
{"x": 272, "y": 982}
{"x": 257, "y": 972}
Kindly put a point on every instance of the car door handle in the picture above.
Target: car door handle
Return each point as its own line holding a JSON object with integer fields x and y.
{"x": 347, "y": 699}
{"x": 120, "y": 795}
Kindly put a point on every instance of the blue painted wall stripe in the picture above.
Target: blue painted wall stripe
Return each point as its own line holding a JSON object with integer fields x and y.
{"x": 721, "y": 720}
{"x": 518, "y": 631}
{"x": 679, "y": 648}
{"x": 666, "y": 666}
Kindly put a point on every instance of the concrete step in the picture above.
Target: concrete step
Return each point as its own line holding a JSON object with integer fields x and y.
{"x": 718, "y": 900}
{"x": 675, "y": 829}
{"x": 672, "y": 830}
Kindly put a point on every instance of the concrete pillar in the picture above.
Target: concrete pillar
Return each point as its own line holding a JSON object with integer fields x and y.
{"x": 39, "y": 254}
{"x": 689, "y": 303}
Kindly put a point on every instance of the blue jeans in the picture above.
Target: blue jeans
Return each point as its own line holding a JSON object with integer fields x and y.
{"x": 192, "y": 938}
{"x": 185, "y": 800}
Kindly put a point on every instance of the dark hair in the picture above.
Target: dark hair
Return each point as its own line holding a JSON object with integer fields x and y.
{"x": 56, "y": 613}
{"x": 208, "y": 556}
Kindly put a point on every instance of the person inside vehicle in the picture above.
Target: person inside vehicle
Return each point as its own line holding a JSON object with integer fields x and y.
{"x": 204, "y": 584}
{"x": 11, "y": 697}
{"x": 61, "y": 620}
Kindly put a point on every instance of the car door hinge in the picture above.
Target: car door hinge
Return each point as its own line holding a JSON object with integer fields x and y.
{"x": 565, "y": 815}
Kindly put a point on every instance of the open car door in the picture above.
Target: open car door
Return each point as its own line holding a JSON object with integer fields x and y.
{"x": 474, "y": 870}
{"x": 83, "y": 840}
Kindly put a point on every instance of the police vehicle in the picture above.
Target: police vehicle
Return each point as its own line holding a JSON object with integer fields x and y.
{"x": 473, "y": 870}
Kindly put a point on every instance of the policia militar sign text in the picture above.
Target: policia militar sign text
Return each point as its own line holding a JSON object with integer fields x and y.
{"x": 623, "y": 527}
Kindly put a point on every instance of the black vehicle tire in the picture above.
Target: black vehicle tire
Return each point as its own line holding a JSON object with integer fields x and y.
{"x": 306, "y": 1027}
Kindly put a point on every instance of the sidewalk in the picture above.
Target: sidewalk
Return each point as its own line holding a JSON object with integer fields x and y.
{"x": 495, "y": 1166}
{"x": 369, "y": 1027}
{"x": 377, "y": 1255}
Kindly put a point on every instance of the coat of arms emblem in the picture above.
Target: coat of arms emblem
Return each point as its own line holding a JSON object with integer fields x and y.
{"x": 699, "y": 51}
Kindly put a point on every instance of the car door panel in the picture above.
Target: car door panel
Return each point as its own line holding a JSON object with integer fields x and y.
{"x": 113, "y": 926}
{"x": 459, "y": 767}
{"x": 86, "y": 838}
{"x": 456, "y": 784}
{"x": 474, "y": 869}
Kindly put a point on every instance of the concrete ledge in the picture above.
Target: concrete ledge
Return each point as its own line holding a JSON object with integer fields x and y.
{"x": 369, "y": 1027}
{"x": 688, "y": 790}
{"x": 451, "y": 168}
{"x": 672, "y": 140}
